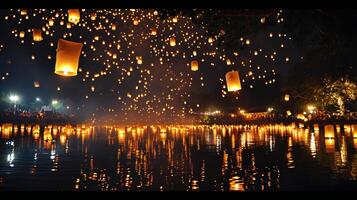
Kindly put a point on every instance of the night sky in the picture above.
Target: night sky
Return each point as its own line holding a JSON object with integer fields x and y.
{"x": 171, "y": 91}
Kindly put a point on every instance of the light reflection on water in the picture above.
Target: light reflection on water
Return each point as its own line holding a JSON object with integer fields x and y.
{"x": 219, "y": 158}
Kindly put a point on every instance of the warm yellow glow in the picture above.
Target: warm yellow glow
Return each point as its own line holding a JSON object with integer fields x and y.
{"x": 37, "y": 35}
{"x": 286, "y": 97}
{"x": 153, "y": 31}
{"x": 22, "y": 34}
{"x": 67, "y": 57}
{"x": 233, "y": 81}
{"x": 194, "y": 65}
{"x": 172, "y": 41}
{"x": 74, "y": 15}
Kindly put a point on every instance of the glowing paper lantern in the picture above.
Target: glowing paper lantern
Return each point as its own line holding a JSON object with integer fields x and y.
{"x": 37, "y": 35}
{"x": 329, "y": 131}
{"x": 233, "y": 81}
{"x": 153, "y": 31}
{"x": 135, "y": 22}
{"x": 23, "y": 12}
{"x": 36, "y": 84}
{"x": 74, "y": 15}
{"x": 67, "y": 57}
{"x": 287, "y": 97}
{"x": 22, "y": 34}
{"x": 114, "y": 27}
{"x": 51, "y": 22}
{"x": 93, "y": 16}
{"x": 172, "y": 41}
{"x": 139, "y": 60}
{"x": 194, "y": 65}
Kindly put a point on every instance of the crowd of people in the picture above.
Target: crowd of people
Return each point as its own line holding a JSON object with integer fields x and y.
{"x": 9, "y": 116}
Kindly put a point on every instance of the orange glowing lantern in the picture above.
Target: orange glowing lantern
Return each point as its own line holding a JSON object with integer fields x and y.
{"x": 67, "y": 57}
{"x": 93, "y": 16}
{"x": 22, "y": 34}
{"x": 153, "y": 31}
{"x": 135, "y": 22}
{"x": 194, "y": 65}
{"x": 37, "y": 35}
{"x": 172, "y": 41}
{"x": 114, "y": 27}
{"x": 233, "y": 81}
{"x": 51, "y": 22}
{"x": 139, "y": 60}
{"x": 74, "y": 15}
{"x": 23, "y": 12}
{"x": 329, "y": 131}
{"x": 287, "y": 97}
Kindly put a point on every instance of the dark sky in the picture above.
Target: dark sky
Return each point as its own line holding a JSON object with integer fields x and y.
{"x": 169, "y": 83}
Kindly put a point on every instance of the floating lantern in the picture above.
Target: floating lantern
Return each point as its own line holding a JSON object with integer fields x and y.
{"x": 287, "y": 97}
{"x": 51, "y": 22}
{"x": 135, "y": 22}
{"x": 37, "y": 35}
{"x": 228, "y": 61}
{"x": 74, "y": 15}
{"x": 288, "y": 112}
{"x": 67, "y": 57}
{"x": 23, "y": 12}
{"x": 22, "y": 34}
{"x": 210, "y": 40}
{"x": 36, "y": 84}
{"x": 93, "y": 16}
{"x": 153, "y": 31}
{"x": 114, "y": 27}
{"x": 139, "y": 60}
{"x": 329, "y": 131}
{"x": 233, "y": 81}
{"x": 194, "y": 65}
{"x": 172, "y": 41}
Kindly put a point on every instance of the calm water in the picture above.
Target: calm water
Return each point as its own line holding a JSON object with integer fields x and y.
{"x": 176, "y": 158}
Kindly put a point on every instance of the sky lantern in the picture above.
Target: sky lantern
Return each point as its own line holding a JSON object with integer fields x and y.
{"x": 194, "y": 65}
{"x": 114, "y": 27}
{"x": 233, "y": 81}
{"x": 286, "y": 97}
{"x": 172, "y": 41}
{"x": 93, "y": 16}
{"x": 74, "y": 15}
{"x": 67, "y": 57}
{"x": 153, "y": 31}
{"x": 329, "y": 131}
{"x": 51, "y": 22}
{"x": 139, "y": 60}
{"x": 22, "y": 34}
{"x": 135, "y": 22}
{"x": 23, "y": 12}
{"x": 210, "y": 40}
{"x": 36, "y": 84}
{"x": 37, "y": 35}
